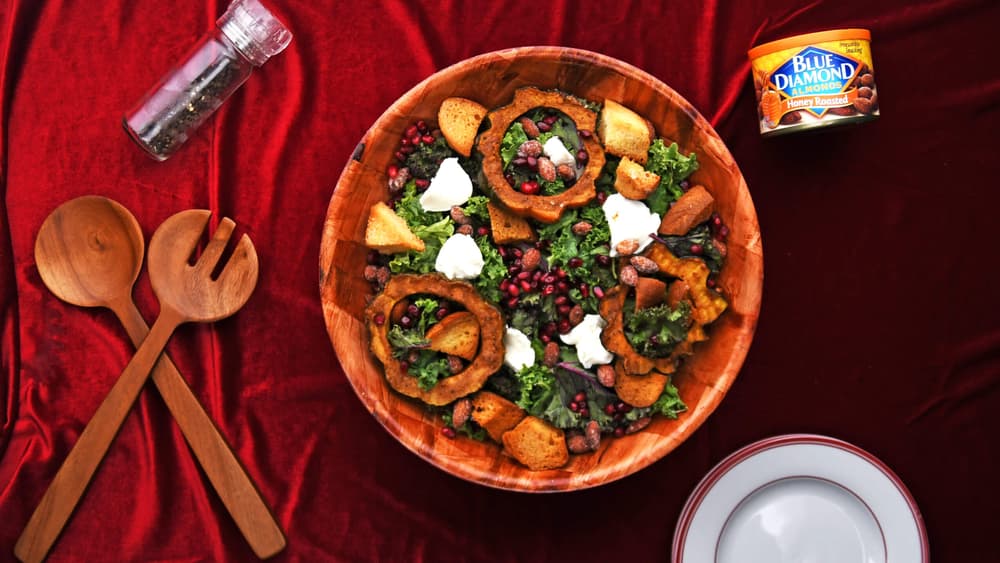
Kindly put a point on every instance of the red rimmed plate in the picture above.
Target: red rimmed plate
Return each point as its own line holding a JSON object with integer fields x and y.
{"x": 801, "y": 497}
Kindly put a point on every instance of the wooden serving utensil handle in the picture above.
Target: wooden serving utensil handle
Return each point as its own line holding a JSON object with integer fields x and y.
{"x": 74, "y": 475}
{"x": 237, "y": 491}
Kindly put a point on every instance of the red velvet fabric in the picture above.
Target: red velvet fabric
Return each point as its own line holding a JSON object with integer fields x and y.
{"x": 880, "y": 322}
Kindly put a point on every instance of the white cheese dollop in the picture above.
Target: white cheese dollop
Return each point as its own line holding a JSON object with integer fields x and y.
{"x": 557, "y": 153}
{"x": 459, "y": 258}
{"x": 586, "y": 336}
{"x": 518, "y": 352}
{"x": 629, "y": 219}
{"x": 450, "y": 186}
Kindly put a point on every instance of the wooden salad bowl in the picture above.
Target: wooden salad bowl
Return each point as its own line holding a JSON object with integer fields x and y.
{"x": 491, "y": 79}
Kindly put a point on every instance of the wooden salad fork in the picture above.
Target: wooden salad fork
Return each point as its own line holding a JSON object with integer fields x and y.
{"x": 187, "y": 293}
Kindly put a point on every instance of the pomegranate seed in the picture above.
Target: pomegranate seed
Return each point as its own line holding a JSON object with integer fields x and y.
{"x": 482, "y": 231}
{"x": 448, "y": 432}
{"x": 584, "y": 290}
{"x": 548, "y": 289}
{"x": 723, "y": 232}
{"x": 710, "y": 283}
{"x": 562, "y": 286}
{"x": 575, "y": 262}
{"x": 405, "y": 321}
{"x": 550, "y": 119}
{"x": 422, "y": 183}
{"x": 525, "y": 285}
{"x": 582, "y": 156}
{"x": 400, "y": 156}
{"x": 626, "y": 409}
{"x": 513, "y": 290}
{"x": 549, "y": 278}
{"x": 585, "y": 412}
{"x": 537, "y": 276}
{"x": 407, "y": 149}
{"x": 519, "y": 161}
{"x": 379, "y": 319}
{"x": 509, "y": 177}
{"x": 513, "y": 269}
{"x": 404, "y": 142}
{"x": 601, "y": 197}
{"x": 512, "y": 302}
{"x": 518, "y": 253}
{"x": 696, "y": 249}
{"x": 504, "y": 285}
{"x": 412, "y": 310}
{"x": 411, "y": 131}
{"x": 564, "y": 326}
{"x": 441, "y": 313}
{"x": 393, "y": 170}
{"x": 415, "y": 140}
{"x": 524, "y": 276}
{"x": 404, "y": 365}
{"x": 618, "y": 417}
{"x": 560, "y": 273}
{"x": 530, "y": 187}
{"x": 422, "y": 126}
{"x": 603, "y": 260}
{"x": 503, "y": 251}
{"x": 580, "y": 397}
{"x": 574, "y": 407}
{"x": 685, "y": 185}
{"x": 716, "y": 220}
{"x": 544, "y": 127}
{"x": 564, "y": 309}
{"x": 373, "y": 257}
{"x": 620, "y": 406}
{"x": 550, "y": 328}
{"x": 598, "y": 292}
{"x": 532, "y": 162}
{"x": 561, "y": 300}
{"x": 427, "y": 139}
{"x": 609, "y": 409}
{"x": 619, "y": 432}
{"x": 545, "y": 338}
{"x": 585, "y": 133}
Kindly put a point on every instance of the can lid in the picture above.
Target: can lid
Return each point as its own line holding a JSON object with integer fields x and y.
{"x": 807, "y": 39}
{"x": 255, "y": 31}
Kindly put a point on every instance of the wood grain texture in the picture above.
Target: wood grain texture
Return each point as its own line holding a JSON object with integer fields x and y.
{"x": 491, "y": 80}
{"x": 89, "y": 252}
{"x": 186, "y": 293}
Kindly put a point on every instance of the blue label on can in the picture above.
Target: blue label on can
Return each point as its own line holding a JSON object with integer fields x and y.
{"x": 814, "y": 71}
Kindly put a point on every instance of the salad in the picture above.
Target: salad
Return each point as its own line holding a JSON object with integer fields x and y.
{"x": 540, "y": 272}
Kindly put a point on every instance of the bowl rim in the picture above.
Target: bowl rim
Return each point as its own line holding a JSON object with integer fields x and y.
{"x": 544, "y": 481}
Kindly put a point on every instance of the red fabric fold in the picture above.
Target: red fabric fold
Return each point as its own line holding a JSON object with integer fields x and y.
{"x": 879, "y": 323}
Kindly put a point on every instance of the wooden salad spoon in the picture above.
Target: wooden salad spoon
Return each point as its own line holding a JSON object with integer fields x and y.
{"x": 89, "y": 253}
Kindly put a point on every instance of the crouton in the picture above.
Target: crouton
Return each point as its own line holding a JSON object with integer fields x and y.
{"x": 692, "y": 208}
{"x": 388, "y": 233}
{"x": 649, "y": 292}
{"x": 639, "y": 390}
{"x": 507, "y": 226}
{"x": 459, "y": 120}
{"x": 456, "y": 334}
{"x": 633, "y": 181}
{"x": 495, "y": 414}
{"x": 678, "y": 291}
{"x": 624, "y": 132}
{"x": 537, "y": 444}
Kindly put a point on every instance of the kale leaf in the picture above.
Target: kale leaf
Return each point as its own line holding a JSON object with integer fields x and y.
{"x": 672, "y": 167}
{"x": 425, "y": 160}
{"x": 429, "y": 368}
{"x": 655, "y": 331}
{"x": 494, "y": 270}
{"x": 669, "y": 404}
{"x": 403, "y": 340}
{"x": 512, "y": 140}
{"x": 433, "y": 236}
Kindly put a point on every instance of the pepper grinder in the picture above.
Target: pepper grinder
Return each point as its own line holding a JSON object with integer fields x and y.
{"x": 244, "y": 38}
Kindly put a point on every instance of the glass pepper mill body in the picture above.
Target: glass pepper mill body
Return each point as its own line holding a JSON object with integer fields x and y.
{"x": 245, "y": 37}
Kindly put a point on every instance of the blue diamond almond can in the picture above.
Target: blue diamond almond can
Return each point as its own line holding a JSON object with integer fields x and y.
{"x": 814, "y": 80}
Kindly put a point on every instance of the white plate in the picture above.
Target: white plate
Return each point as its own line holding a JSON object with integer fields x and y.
{"x": 800, "y": 498}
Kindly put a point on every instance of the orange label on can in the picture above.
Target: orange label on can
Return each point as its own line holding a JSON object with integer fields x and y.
{"x": 814, "y": 79}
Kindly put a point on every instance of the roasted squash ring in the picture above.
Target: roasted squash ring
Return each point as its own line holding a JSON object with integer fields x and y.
{"x": 613, "y": 337}
{"x": 491, "y": 332}
{"x": 546, "y": 209}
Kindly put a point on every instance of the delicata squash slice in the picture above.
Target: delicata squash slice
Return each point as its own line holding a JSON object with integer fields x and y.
{"x": 546, "y": 209}
{"x": 491, "y": 331}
